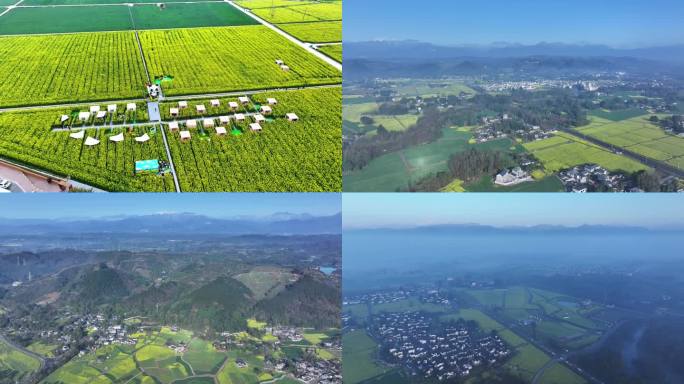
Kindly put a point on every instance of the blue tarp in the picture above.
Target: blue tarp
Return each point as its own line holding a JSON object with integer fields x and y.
{"x": 147, "y": 166}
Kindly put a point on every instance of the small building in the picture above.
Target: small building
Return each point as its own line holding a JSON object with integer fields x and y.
{"x": 224, "y": 119}
{"x": 174, "y": 112}
{"x": 244, "y": 100}
{"x": 101, "y": 114}
{"x": 221, "y": 131}
{"x": 266, "y": 110}
{"x": 201, "y": 108}
{"x": 173, "y": 126}
{"x": 84, "y": 116}
{"x": 63, "y": 118}
{"x": 259, "y": 118}
{"x": 111, "y": 108}
{"x": 182, "y": 104}
{"x": 94, "y": 108}
{"x": 233, "y": 105}
{"x": 271, "y": 101}
{"x": 285, "y": 68}
{"x": 131, "y": 107}
{"x": 239, "y": 117}
{"x": 279, "y": 62}
{"x": 255, "y": 127}
{"x": 215, "y": 102}
{"x": 208, "y": 123}
{"x": 185, "y": 135}
{"x": 292, "y": 117}
{"x": 191, "y": 123}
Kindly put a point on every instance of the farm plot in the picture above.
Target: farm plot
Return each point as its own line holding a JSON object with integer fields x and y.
{"x": 14, "y": 364}
{"x": 334, "y": 51}
{"x": 316, "y": 32}
{"x": 204, "y": 60}
{"x": 187, "y": 15}
{"x": 330, "y": 11}
{"x": 28, "y": 138}
{"x": 87, "y": 2}
{"x": 266, "y": 282}
{"x": 358, "y": 357}
{"x": 285, "y": 156}
{"x": 565, "y": 151}
{"x": 69, "y": 68}
{"x": 637, "y": 135}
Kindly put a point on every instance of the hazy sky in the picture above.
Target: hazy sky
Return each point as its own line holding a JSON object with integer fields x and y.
{"x": 619, "y": 23}
{"x": 58, "y": 205}
{"x": 406, "y": 210}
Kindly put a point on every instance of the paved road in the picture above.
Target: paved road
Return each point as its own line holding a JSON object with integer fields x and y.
{"x": 307, "y": 46}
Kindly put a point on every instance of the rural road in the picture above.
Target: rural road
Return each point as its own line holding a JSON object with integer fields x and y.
{"x": 24, "y": 350}
{"x": 308, "y": 47}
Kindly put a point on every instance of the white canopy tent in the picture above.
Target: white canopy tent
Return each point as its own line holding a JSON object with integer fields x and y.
{"x": 182, "y": 104}
{"x": 224, "y": 119}
{"x": 117, "y": 138}
{"x": 185, "y": 135}
{"x": 271, "y": 101}
{"x": 90, "y": 141}
{"x": 233, "y": 105}
{"x": 266, "y": 110}
{"x": 208, "y": 123}
{"x": 101, "y": 114}
{"x": 259, "y": 118}
{"x": 174, "y": 111}
{"x": 244, "y": 100}
{"x": 239, "y": 117}
{"x": 255, "y": 127}
{"x": 292, "y": 117}
{"x": 111, "y": 108}
{"x": 83, "y": 116}
{"x": 94, "y": 108}
{"x": 77, "y": 135}
{"x": 201, "y": 108}
{"x": 215, "y": 102}
{"x": 63, "y": 118}
{"x": 221, "y": 131}
{"x": 131, "y": 107}
{"x": 173, "y": 126}
{"x": 143, "y": 138}
{"x": 191, "y": 124}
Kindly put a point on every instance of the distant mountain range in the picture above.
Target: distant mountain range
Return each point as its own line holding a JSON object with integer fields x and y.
{"x": 181, "y": 223}
{"x": 409, "y": 49}
{"x": 537, "y": 229}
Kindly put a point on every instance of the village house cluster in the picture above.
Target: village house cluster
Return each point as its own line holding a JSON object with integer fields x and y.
{"x": 319, "y": 371}
{"x": 378, "y": 297}
{"x": 454, "y": 351}
{"x": 590, "y": 177}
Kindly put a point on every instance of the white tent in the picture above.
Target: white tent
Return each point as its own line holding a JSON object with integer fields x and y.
{"x": 239, "y": 117}
{"x": 221, "y": 131}
{"x": 201, "y": 108}
{"x": 233, "y": 105}
{"x": 208, "y": 123}
{"x": 174, "y": 111}
{"x": 279, "y": 62}
{"x": 259, "y": 118}
{"x": 292, "y": 117}
{"x": 173, "y": 126}
{"x": 191, "y": 124}
{"x": 117, "y": 138}
{"x": 143, "y": 138}
{"x": 185, "y": 135}
{"x": 243, "y": 99}
{"x": 83, "y": 116}
{"x": 182, "y": 104}
{"x": 101, "y": 114}
{"x": 266, "y": 110}
{"x": 130, "y": 107}
{"x": 94, "y": 108}
{"x": 271, "y": 101}
{"x": 285, "y": 68}
{"x": 77, "y": 135}
{"x": 90, "y": 141}
{"x": 215, "y": 102}
{"x": 111, "y": 108}
{"x": 255, "y": 127}
{"x": 63, "y": 118}
{"x": 224, "y": 119}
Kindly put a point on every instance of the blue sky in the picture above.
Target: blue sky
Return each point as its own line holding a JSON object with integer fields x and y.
{"x": 60, "y": 205}
{"x": 619, "y": 23}
{"x": 362, "y": 210}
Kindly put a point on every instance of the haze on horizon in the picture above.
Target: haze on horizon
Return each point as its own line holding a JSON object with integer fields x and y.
{"x": 392, "y": 210}
{"x": 615, "y": 23}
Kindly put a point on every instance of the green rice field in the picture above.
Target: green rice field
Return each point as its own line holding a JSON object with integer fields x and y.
{"x": 334, "y": 51}
{"x": 15, "y": 364}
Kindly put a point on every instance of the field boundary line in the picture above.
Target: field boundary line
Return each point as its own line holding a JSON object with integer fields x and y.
{"x": 113, "y": 4}
{"x": 308, "y": 47}
{"x": 168, "y": 154}
{"x": 11, "y": 7}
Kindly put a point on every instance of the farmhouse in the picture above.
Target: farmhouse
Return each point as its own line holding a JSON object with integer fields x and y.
{"x": 255, "y": 127}
{"x": 292, "y": 117}
{"x": 266, "y": 110}
{"x": 185, "y": 135}
{"x": 173, "y": 126}
{"x": 221, "y": 131}
{"x": 512, "y": 177}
